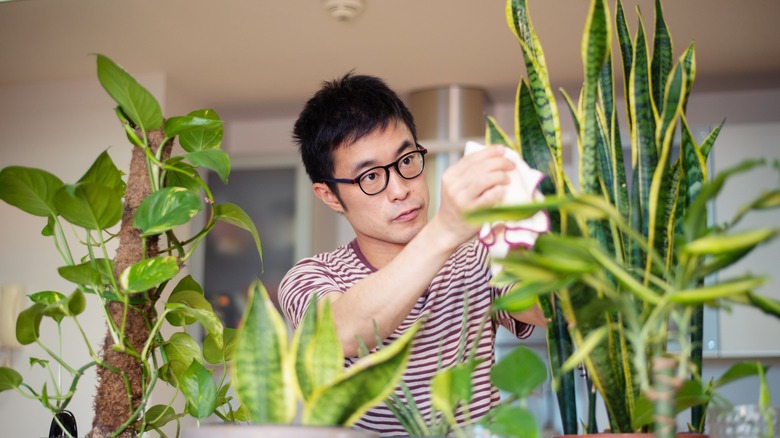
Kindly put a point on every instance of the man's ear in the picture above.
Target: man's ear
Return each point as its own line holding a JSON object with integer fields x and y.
{"x": 326, "y": 195}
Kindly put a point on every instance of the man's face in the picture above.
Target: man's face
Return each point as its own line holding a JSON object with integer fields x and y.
{"x": 396, "y": 214}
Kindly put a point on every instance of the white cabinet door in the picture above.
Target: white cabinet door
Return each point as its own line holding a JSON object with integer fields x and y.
{"x": 746, "y": 332}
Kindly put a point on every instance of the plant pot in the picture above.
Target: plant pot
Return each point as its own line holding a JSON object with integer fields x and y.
{"x": 633, "y": 435}
{"x": 274, "y": 431}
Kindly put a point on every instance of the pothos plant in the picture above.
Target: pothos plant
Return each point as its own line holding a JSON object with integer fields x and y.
{"x": 623, "y": 273}
{"x": 163, "y": 192}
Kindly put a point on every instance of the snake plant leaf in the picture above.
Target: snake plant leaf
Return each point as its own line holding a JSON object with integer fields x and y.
{"x": 302, "y": 338}
{"x": 30, "y": 190}
{"x": 514, "y": 421}
{"x": 643, "y": 113}
{"x": 89, "y": 205}
{"x": 595, "y": 51}
{"x": 533, "y": 146}
{"x": 234, "y": 215}
{"x": 660, "y": 184}
{"x": 626, "y": 52}
{"x": 261, "y": 371}
{"x": 28, "y": 324}
{"x": 505, "y": 375}
{"x": 207, "y": 137}
{"x": 146, "y": 274}
{"x": 585, "y": 348}
{"x": 688, "y": 61}
{"x": 136, "y": 101}
{"x": 104, "y": 172}
{"x": 494, "y": 135}
{"x": 536, "y": 68}
{"x": 366, "y": 383}
{"x": 9, "y": 379}
{"x": 661, "y": 63}
{"x": 165, "y": 210}
{"x": 185, "y": 124}
{"x": 324, "y": 353}
{"x": 199, "y": 390}
{"x": 213, "y": 159}
{"x": 709, "y": 141}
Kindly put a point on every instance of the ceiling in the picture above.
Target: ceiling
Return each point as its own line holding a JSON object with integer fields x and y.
{"x": 268, "y": 56}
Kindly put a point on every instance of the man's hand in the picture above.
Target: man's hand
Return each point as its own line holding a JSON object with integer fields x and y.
{"x": 478, "y": 180}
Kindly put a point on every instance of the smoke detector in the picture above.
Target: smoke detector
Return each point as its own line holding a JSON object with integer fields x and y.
{"x": 344, "y": 10}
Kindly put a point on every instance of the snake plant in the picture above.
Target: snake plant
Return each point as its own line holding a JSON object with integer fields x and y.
{"x": 623, "y": 271}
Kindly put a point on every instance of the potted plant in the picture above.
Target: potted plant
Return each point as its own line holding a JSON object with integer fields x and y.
{"x": 163, "y": 192}
{"x": 622, "y": 274}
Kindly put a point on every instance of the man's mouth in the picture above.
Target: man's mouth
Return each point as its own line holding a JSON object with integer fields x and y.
{"x": 407, "y": 215}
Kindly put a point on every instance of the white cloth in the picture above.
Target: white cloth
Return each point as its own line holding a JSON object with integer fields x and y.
{"x": 502, "y": 236}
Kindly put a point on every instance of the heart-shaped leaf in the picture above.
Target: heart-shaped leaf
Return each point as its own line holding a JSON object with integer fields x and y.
{"x": 166, "y": 209}
{"x": 136, "y": 102}
{"x": 214, "y": 159}
{"x": 149, "y": 273}
{"x": 30, "y": 190}
{"x": 199, "y": 390}
{"x": 89, "y": 205}
{"x": 202, "y": 138}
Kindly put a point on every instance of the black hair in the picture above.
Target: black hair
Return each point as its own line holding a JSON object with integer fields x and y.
{"x": 342, "y": 112}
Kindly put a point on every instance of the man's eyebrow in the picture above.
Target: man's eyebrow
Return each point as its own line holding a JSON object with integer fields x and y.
{"x": 373, "y": 163}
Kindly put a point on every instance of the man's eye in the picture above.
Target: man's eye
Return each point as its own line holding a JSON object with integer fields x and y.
{"x": 369, "y": 177}
{"x": 406, "y": 161}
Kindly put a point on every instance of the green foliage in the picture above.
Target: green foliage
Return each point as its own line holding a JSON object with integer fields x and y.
{"x": 92, "y": 207}
{"x": 622, "y": 264}
{"x": 270, "y": 374}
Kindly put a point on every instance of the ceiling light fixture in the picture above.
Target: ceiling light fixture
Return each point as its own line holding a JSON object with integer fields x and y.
{"x": 344, "y": 10}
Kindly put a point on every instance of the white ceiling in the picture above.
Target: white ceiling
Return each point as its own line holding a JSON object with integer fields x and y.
{"x": 268, "y": 56}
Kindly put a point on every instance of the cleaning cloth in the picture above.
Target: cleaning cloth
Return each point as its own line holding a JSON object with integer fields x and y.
{"x": 502, "y": 236}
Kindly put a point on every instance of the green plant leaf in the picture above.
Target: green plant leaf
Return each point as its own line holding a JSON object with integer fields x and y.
{"x": 82, "y": 273}
{"x": 28, "y": 324}
{"x": 514, "y": 421}
{"x": 261, "y": 371}
{"x": 89, "y": 205}
{"x": 178, "y": 125}
{"x": 661, "y": 63}
{"x": 166, "y": 209}
{"x": 717, "y": 244}
{"x": 214, "y": 159}
{"x": 738, "y": 371}
{"x": 185, "y": 176}
{"x": 77, "y": 303}
{"x": 148, "y": 273}
{"x": 205, "y": 316}
{"x": 199, "y": 390}
{"x": 136, "y": 102}
{"x": 180, "y": 351}
{"x": 452, "y": 386}
{"x": 324, "y": 355}
{"x": 234, "y": 215}
{"x": 217, "y": 348}
{"x": 505, "y": 374}
{"x": 724, "y": 289}
{"x": 366, "y": 383}
{"x": 159, "y": 415}
{"x": 30, "y": 190}
{"x": 303, "y": 337}
{"x": 9, "y": 379}
{"x": 185, "y": 285}
{"x": 104, "y": 172}
{"x": 207, "y": 136}
{"x": 53, "y": 302}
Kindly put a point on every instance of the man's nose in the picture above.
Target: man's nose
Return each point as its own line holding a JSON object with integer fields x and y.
{"x": 397, "y": 186}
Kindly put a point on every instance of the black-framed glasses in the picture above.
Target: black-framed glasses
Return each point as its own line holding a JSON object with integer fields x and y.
{"x": 375, "y": 179}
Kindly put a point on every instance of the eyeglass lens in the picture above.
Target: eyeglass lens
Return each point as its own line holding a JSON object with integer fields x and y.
{"x": 375, "y": 180}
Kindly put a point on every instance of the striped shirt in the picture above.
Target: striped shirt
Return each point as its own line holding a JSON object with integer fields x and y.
{"x": 465, "y": 277}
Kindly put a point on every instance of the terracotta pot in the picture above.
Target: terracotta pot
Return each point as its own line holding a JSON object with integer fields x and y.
{"x": 274, "y": 431}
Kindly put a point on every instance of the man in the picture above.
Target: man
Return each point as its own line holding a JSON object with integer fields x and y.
{"x": 359, "y": 146}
